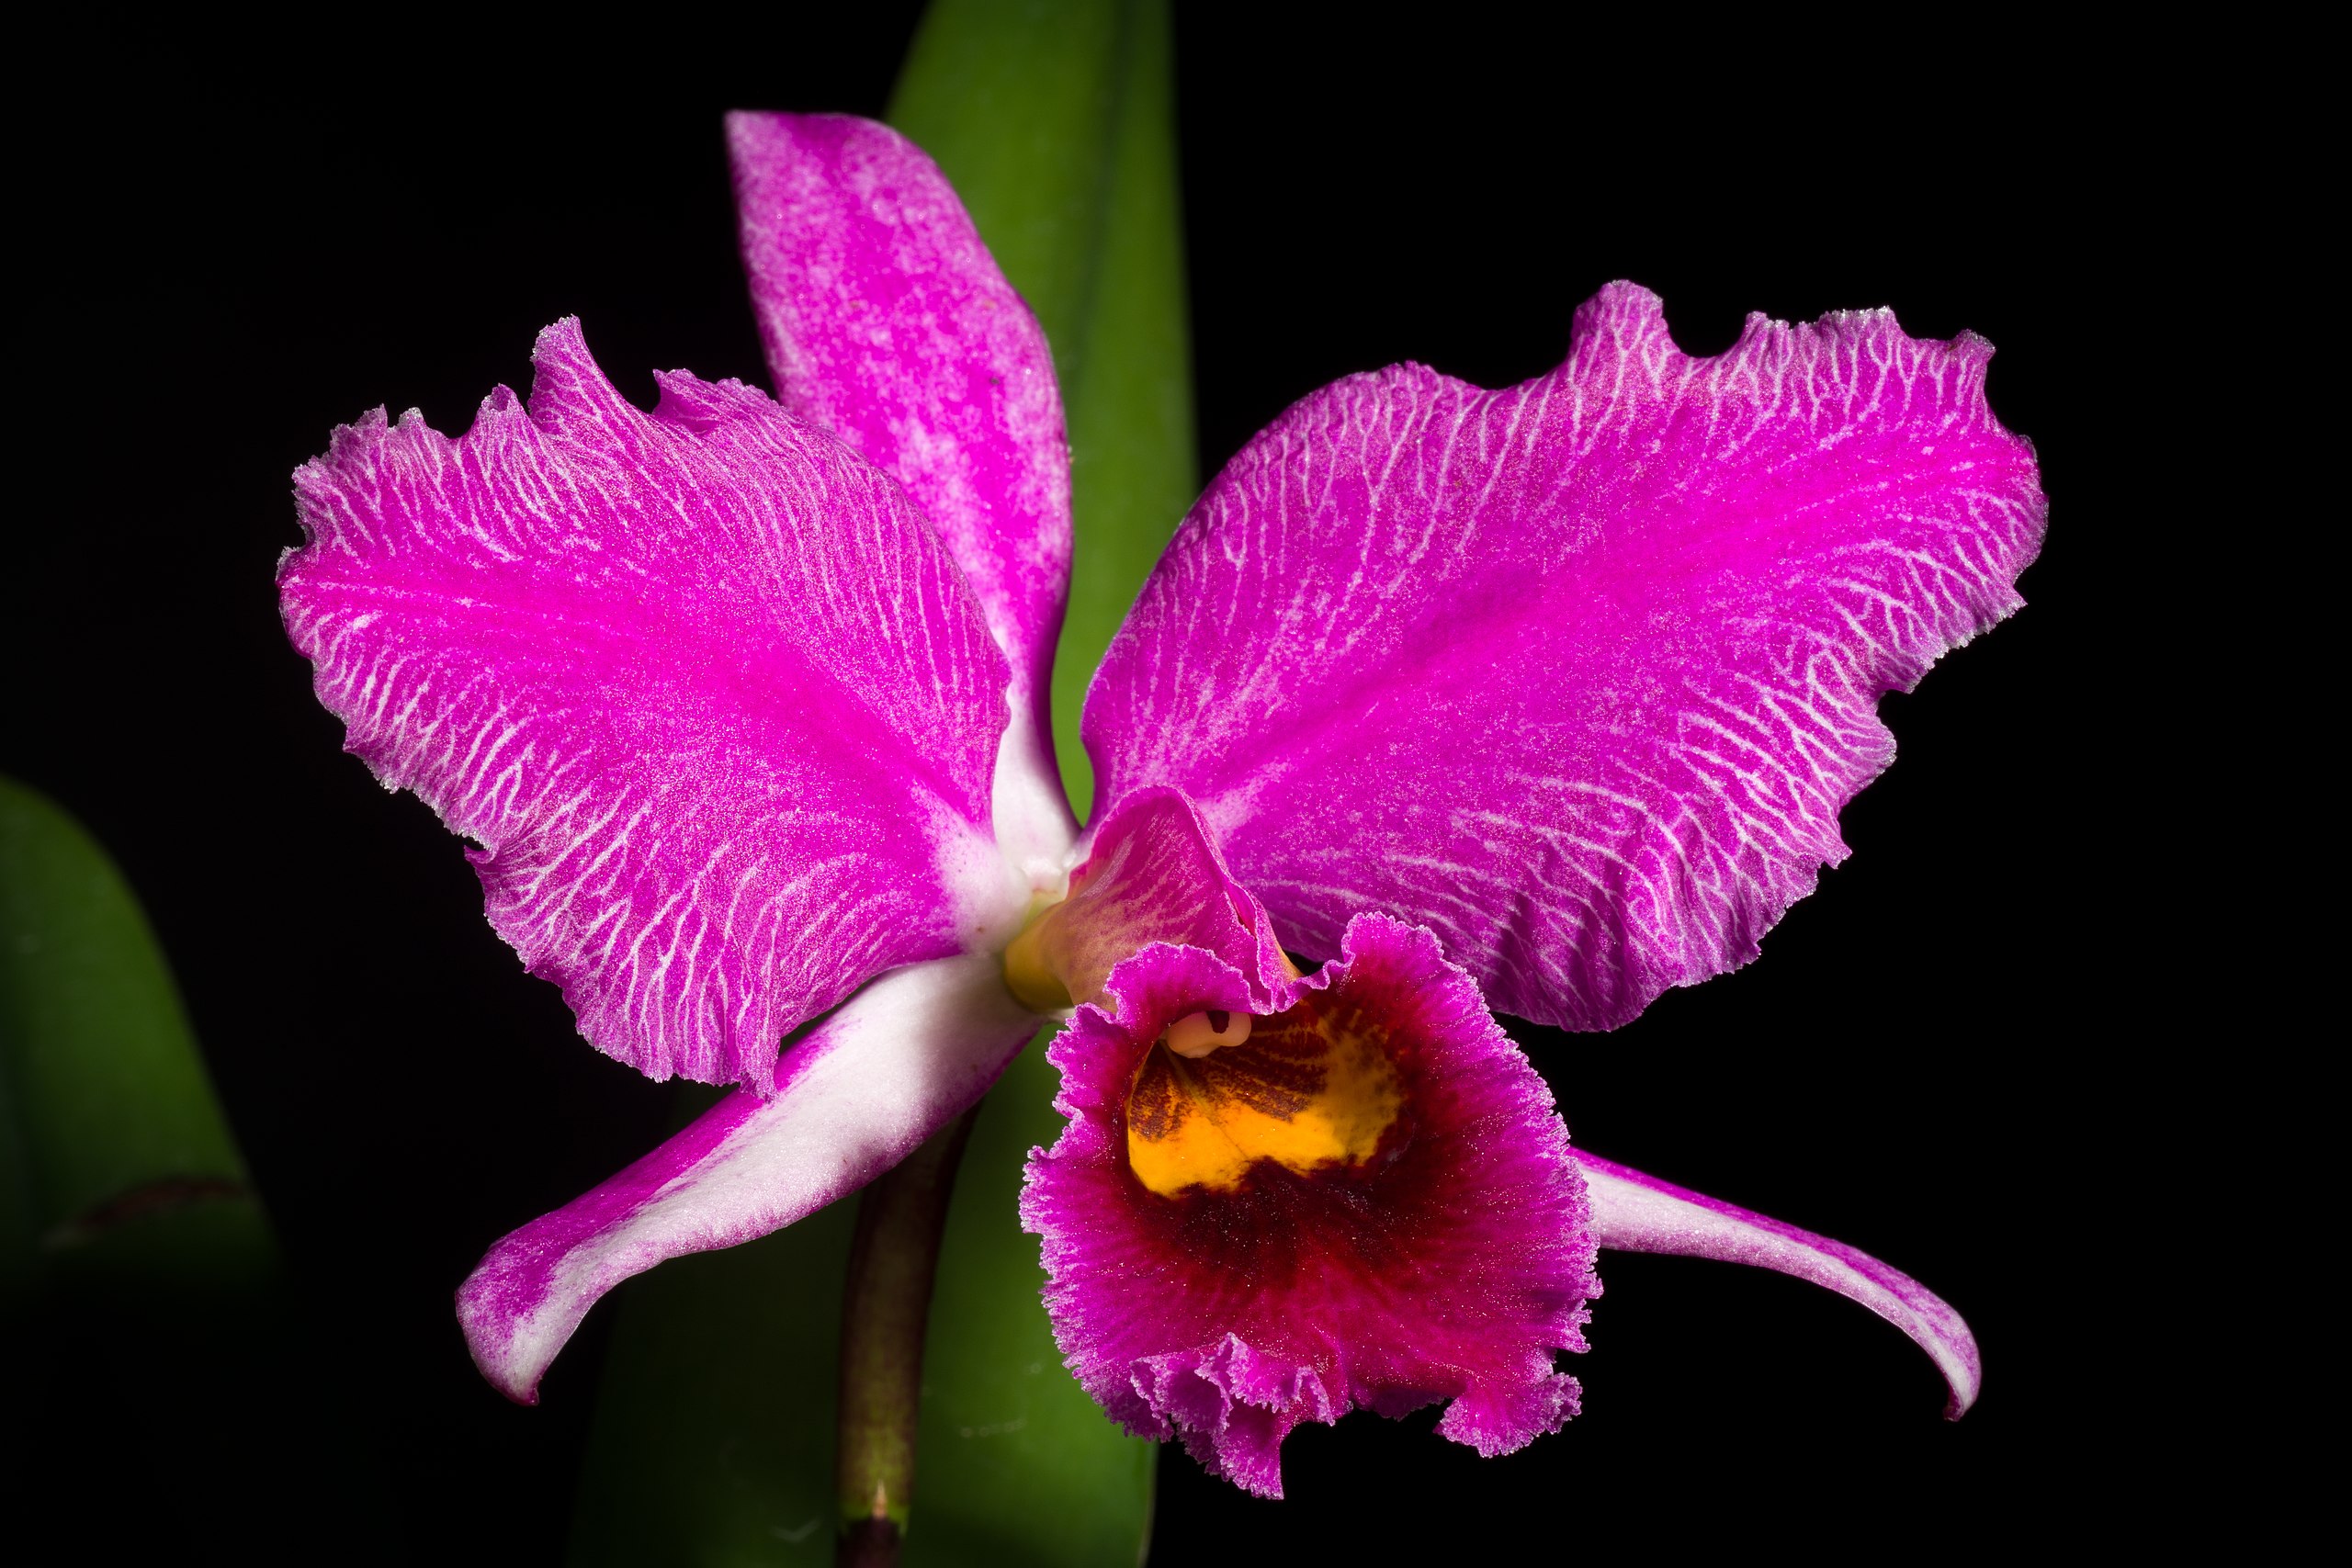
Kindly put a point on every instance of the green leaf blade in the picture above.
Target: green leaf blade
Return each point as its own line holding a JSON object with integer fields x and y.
{"x": 140, "y": 1260}
{"x": 1013, "y": 1462}
{"x": 1014, "y": 100}
{"x": 122, "y": 1159}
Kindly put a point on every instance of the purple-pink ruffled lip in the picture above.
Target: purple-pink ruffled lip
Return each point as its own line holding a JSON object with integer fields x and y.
{"x": 1364, "y": 1201}
{"x": 1278, "y": 1198}
{"x": 1445, "y": 1259}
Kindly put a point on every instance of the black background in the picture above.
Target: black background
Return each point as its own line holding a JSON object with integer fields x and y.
{"x": 242, "y": 242}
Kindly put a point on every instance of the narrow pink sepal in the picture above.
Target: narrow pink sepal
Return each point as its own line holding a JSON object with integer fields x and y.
{"x": 887, "y": 321}
{"x": 1577, "y": 673}
{"x": 1633, "y": 1213}
{"x": 702, "y": 683}
{"x": 910, "y": 1052}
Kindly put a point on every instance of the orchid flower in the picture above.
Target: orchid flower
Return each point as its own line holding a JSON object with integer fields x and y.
{"x": 1540, "y": 700}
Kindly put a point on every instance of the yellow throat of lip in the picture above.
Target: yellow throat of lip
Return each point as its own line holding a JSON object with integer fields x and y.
{"x": 1306, "y": 1090}
{"x": 1219, "y": 1092}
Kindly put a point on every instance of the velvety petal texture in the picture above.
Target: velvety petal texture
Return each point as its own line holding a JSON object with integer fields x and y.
{"x": 704, "y": 685}
{"x": 1633, "y": 1213}
{"x": 1450, "y": 1262}
{"x": 907, "y": 1055}
{"x": 1576, "y": 673}
{"x": 886, "y": 322}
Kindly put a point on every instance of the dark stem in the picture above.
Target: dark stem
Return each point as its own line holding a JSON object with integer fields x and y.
{"x": 884, "y": 1308}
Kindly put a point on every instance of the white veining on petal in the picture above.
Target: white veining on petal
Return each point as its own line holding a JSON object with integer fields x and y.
{"x": 1580, "y": 673}
{"x": 702, "y": 683}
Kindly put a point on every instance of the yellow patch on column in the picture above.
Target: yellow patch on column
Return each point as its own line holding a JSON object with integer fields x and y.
{"x": 1308, "y": 1089}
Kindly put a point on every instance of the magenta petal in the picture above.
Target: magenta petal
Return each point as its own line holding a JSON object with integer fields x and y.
{"x": 1153, "y": 873}
{"x": 1633, "y": 1213}
{"x": 1452, "y": 1265}
{"x": 886, "y": 322}
{"x": 908, "y": 1054}
{"x": 1577, "y": 673}
{"x": 702, "y": 683}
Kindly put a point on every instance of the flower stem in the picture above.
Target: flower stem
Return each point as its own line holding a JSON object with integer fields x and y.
{"x": 884, "y": 1308}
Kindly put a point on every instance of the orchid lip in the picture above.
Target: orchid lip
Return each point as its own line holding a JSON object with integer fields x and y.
{"x": 1368, "y": 1203}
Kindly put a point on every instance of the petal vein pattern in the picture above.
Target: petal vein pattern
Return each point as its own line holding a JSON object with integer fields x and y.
{"x": 703, "y": 685}
{"x": 1576, "y": 673}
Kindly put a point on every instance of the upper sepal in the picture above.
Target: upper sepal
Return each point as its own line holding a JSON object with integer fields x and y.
{"x": 887, "y": 321}
{"x": 704, "y": 685}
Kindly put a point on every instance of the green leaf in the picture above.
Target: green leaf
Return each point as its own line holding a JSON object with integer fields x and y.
{"x": 118, "y": 1160}
{"x": 1013, "y": 1462}
{"x": 713, "y": 1440}
{"x": 1055, "y": 122}
{"x": 137, "y": 1257}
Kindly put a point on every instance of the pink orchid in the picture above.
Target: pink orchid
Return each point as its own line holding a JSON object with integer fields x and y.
{"x": 1543, "y": 699}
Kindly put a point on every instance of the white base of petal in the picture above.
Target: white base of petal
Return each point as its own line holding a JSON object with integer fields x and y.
{"x": 906, "y": 1053}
